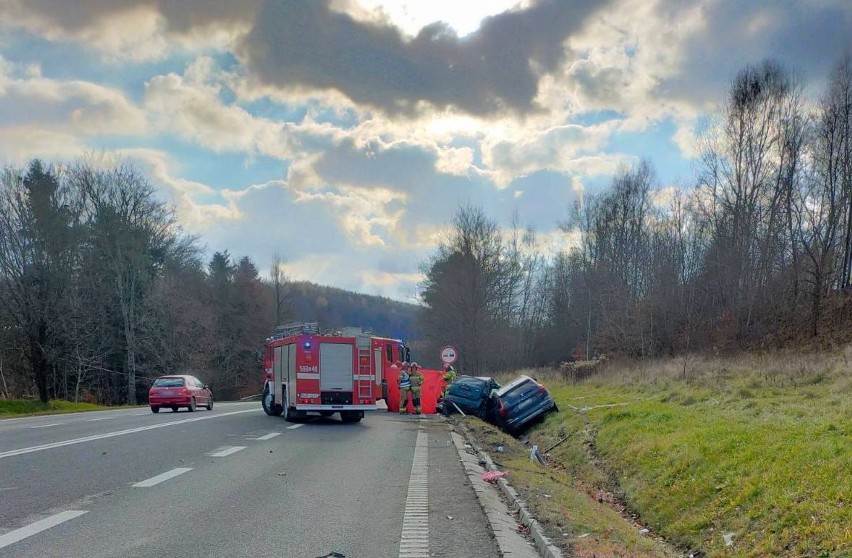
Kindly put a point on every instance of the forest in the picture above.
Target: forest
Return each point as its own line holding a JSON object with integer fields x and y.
{"x": 102, "y": 291}
{"x": 755, "y": 252}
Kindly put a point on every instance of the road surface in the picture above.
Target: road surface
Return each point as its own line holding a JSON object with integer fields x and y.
{"x": 234, "y": 482}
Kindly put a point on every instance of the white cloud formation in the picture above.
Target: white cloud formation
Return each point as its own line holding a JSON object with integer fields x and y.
{"x": 68, "y": 106}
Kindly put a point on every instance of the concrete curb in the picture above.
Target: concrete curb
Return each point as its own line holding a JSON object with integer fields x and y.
{"x": 545, "y": 547}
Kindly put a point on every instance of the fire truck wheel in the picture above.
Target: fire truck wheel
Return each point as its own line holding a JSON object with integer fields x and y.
{"x": 351, "y": 416}
{"x": 292, "y": 415}
{"x": 270, "y": 408}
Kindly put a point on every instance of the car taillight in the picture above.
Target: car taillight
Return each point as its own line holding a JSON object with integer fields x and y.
{"x": 502, "y": 409}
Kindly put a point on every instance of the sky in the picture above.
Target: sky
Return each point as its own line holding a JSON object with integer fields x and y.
{"x": 343, "y": 135}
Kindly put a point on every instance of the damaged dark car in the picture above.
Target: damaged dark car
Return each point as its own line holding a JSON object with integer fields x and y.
{"x": 472, "y": 395}
{"x": 520, "y": 403}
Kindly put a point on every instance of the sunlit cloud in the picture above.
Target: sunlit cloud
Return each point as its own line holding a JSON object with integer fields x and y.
{"x": 360, "y": 126}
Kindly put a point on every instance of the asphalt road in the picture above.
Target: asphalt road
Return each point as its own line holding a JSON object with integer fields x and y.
{"x": 234, "y": 482}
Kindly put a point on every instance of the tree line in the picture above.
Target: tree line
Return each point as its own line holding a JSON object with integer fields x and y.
{"x": 752, "y": 250}
{"x": 101, "y": 290}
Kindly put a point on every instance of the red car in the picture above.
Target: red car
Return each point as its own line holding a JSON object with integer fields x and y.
{"x": 179, "y": 391}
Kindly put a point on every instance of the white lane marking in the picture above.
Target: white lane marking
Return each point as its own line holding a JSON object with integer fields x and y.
{"x": 268, "y": 436}
{"x": 19, "y": 534}
{"x": 117, "y": 433}
{"x": 414, "y": 540}
{"x": 103, "y": 418}
{"x": 224, "y": 452}
{"x": 295, "y": 426}
{"x": 48, "y": 425}
{"x": 163, "y": 477}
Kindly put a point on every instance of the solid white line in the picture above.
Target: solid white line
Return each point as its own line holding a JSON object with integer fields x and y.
{"x": 163, "y": 477}
{"x": 19, "y": 534}
{"x": 117, "y": 433}
{"x": 227, "y": 451}
{"x": 295, "y": 426}
{"x": 414, "y": 540}
{"x": 268, "y": 436}
{"x": 47, "y": 425}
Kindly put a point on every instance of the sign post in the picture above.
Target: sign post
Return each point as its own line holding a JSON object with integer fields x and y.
{"x": 449, "y": 354}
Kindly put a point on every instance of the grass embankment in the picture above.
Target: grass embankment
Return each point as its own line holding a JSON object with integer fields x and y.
{"x": 20, "y": 407}
{"x": 756, "y": 450}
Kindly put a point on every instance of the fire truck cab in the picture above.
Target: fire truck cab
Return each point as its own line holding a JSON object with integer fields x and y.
{"x": 306, "y": 372}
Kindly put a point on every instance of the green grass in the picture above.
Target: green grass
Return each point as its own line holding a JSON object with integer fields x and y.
{"x": 760, "y": 447}
{"x": 21, "y": 407}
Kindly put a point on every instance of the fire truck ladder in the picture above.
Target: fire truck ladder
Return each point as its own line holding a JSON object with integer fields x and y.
{"x": 365, "y": 380}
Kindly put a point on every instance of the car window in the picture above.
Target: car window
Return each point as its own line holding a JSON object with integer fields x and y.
{"x": 515, "y": 392}
{"x": 169, "y": 382}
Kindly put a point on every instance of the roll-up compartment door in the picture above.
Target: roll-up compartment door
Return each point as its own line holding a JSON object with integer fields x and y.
{"x": 336, "y": 361}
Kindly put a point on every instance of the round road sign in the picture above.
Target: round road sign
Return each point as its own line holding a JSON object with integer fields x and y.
{"x": 449, "y": 354}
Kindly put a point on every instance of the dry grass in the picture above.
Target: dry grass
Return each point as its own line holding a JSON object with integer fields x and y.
{"x": 755, "y": 446}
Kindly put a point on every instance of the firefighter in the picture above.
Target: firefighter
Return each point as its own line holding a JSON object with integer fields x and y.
{"x": 410, "y": 380}
{"x": 416, "y": 385}
{"x": 404, "y": 383}
{"x": 449, "y": 377}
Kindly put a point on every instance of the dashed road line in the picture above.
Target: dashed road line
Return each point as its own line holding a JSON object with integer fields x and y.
{"x": 268, "y": 436}
{"x": 162, "y": 477}
{"x": 33, "y": 528}
{"x": 414, "y": 540}
{"x": 48, "y": 425}
{"x": 113, "y": 434}
{"x": 224, "y": 452}
{"x": 295, "y": 426}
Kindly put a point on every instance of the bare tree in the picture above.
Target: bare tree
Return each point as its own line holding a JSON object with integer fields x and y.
{"x": 280, "y": 281}
{"x": 132, "y": 234}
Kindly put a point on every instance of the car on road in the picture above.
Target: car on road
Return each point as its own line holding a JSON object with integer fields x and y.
{"x": 520, "y": 403}
{"x": 471, "y": 395}
{"x": 175, "y": 392}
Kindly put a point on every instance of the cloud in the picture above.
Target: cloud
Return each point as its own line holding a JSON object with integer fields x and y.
{"x": 556, "y": 148}
{"x": 133, "y": 30}
{"x": 299, "y": 46}
{"x": 68, "y": 106}
{"x": 191, "y": 106}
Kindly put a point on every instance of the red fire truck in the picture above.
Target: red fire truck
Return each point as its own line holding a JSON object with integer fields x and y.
{"x": 344, "y": 372}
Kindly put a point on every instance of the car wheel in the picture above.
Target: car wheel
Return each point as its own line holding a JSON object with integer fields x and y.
{"x": 210, "y": 404}
{"x": 174, "y": 409}
{"x": 191, "y": 407}
{"x": 326, "y": 414}
{"x": 155, "y": 409}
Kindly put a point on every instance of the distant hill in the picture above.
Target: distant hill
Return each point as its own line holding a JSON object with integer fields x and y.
{"x": 335, "y": 308}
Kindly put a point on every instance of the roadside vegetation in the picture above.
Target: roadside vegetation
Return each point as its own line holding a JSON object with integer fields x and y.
{"x": 744, "y": 456}
{"x": 20, "y": 407}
